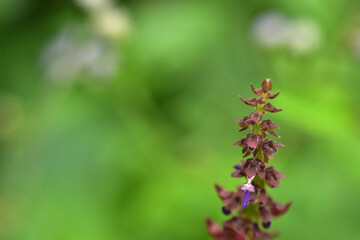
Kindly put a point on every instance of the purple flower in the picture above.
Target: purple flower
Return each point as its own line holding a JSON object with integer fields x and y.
{"x": 247, "y": 188}
{"x": 245, "y": 201}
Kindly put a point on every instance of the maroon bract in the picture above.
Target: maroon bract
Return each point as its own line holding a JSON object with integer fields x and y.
{"x": 250, "y": 120}
{"x": 267, "y": 126}
{"x": 250, "y": 205}
{"x": 270, "y": 108}
{"x": 269, "y": 147}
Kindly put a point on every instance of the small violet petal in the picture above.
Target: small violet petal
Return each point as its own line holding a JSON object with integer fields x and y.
{"x": 238, "y": 167}
{"x": 245, "y": 201}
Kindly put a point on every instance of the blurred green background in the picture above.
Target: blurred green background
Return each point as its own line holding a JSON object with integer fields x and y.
{"x": 116, "y": 118}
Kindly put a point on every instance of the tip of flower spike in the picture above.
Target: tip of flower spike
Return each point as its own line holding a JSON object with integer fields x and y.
{"x": 266, "y": 85}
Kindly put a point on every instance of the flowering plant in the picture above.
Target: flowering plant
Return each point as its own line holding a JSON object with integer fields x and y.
{"x": 250, "y": 204}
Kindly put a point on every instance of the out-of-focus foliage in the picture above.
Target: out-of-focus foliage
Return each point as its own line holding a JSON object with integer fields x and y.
{"x": 116, "y": 121}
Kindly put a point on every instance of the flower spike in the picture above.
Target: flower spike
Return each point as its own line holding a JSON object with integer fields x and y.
{"x": 250, "y": 205}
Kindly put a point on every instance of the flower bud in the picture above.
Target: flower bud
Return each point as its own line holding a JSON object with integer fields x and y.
{"x": 266, "y": 224}
{"x": 266, "y": 85}
{"x": 225, "y": 210}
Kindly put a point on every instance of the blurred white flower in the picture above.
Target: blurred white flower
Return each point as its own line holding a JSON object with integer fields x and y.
{"x": 273, "y": 29}
{"x": 303, "y": 36}
{"x": 67, "y": 57}
{"x": 270, "y": 29}
{"x": 92, "y": 4}
{"x": 111, "y": 23}
{"x": 108, "y": 19}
